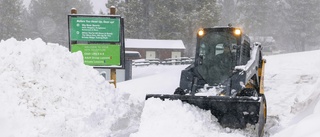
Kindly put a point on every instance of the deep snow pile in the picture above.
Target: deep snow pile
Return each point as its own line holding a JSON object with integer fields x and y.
{"x": 47, "y": 91}
{"x": 176, "y": 119}
{"x": 293, "y": 89}
{"x": 189, "y": 118}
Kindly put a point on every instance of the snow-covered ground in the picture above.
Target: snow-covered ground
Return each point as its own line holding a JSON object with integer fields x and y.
{"x": 46, "y": 91}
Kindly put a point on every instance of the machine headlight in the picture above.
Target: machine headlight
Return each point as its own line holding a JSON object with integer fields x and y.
{"x": 237, "y": 31}
{"x": 201, "y": 32}
{"x": 222, "y": 94}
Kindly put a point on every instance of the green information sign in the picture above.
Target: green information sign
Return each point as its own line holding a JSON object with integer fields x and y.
{"x": 99, "y": 54}
{"x": 95, "y": 29}
{"x": 100, "y": 38}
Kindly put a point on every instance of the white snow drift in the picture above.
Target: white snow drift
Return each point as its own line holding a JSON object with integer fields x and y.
{"x": 46, "y": 91}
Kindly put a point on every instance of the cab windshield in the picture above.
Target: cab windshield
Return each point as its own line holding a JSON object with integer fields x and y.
{"x": 217, "y": 55}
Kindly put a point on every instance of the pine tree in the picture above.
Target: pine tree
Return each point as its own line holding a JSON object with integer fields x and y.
{"x": 303, "y": 18}
{"x": 165, "y": 20}
{"x": 48, "y": 18}
{"x": 135, "y": 14}
{"x": 196, "y": 15}
{"x": 253, "y": 16}
{"x": 228, "y": 12}
{"x": 121, "y": 6}
{"x": 10, "y": 18}
{"x": 277, "y": 26}
{"x": 160, "y": 19}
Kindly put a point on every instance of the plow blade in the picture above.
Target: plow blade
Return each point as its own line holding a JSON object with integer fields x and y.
{"x": 232, "y": 112}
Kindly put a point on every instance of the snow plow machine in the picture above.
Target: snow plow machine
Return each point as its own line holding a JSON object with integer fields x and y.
{"x": 228, "y": 65}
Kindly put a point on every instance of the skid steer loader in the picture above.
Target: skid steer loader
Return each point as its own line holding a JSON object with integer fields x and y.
{"x": 227, "y": 62}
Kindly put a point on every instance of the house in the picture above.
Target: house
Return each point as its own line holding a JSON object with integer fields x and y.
{"x": 151, "y": 48}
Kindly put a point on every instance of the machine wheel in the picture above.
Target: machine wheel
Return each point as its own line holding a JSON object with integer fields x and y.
{"x": 179, "y": 91}
{"x": 262, "y": 117}
{"x": 250, "y": 92}
{"x": 265, "y": 108}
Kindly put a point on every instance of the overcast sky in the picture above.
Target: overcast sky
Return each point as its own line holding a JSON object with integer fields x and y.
{"x": 97, "y": 4}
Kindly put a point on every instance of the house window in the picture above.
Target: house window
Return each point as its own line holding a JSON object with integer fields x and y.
{"x": 175, "y": 54}
{"x": 150, "y": 54}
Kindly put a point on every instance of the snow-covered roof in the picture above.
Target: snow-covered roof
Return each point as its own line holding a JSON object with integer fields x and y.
{"x": 262, "y": 38}
{"x": 154, "y": 44}
{"x": 132, "y": 54}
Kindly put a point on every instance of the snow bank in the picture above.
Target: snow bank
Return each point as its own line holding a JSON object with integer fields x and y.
{"x": 307, "y": 127}
{"x": 305, "y": 123}
{"x": 292, "y": 86}
{"x": 47, "y": 91}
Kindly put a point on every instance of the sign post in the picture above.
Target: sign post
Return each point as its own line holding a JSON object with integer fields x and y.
{"x": 113, "y": 72}
{"x": 100, "y": 38}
